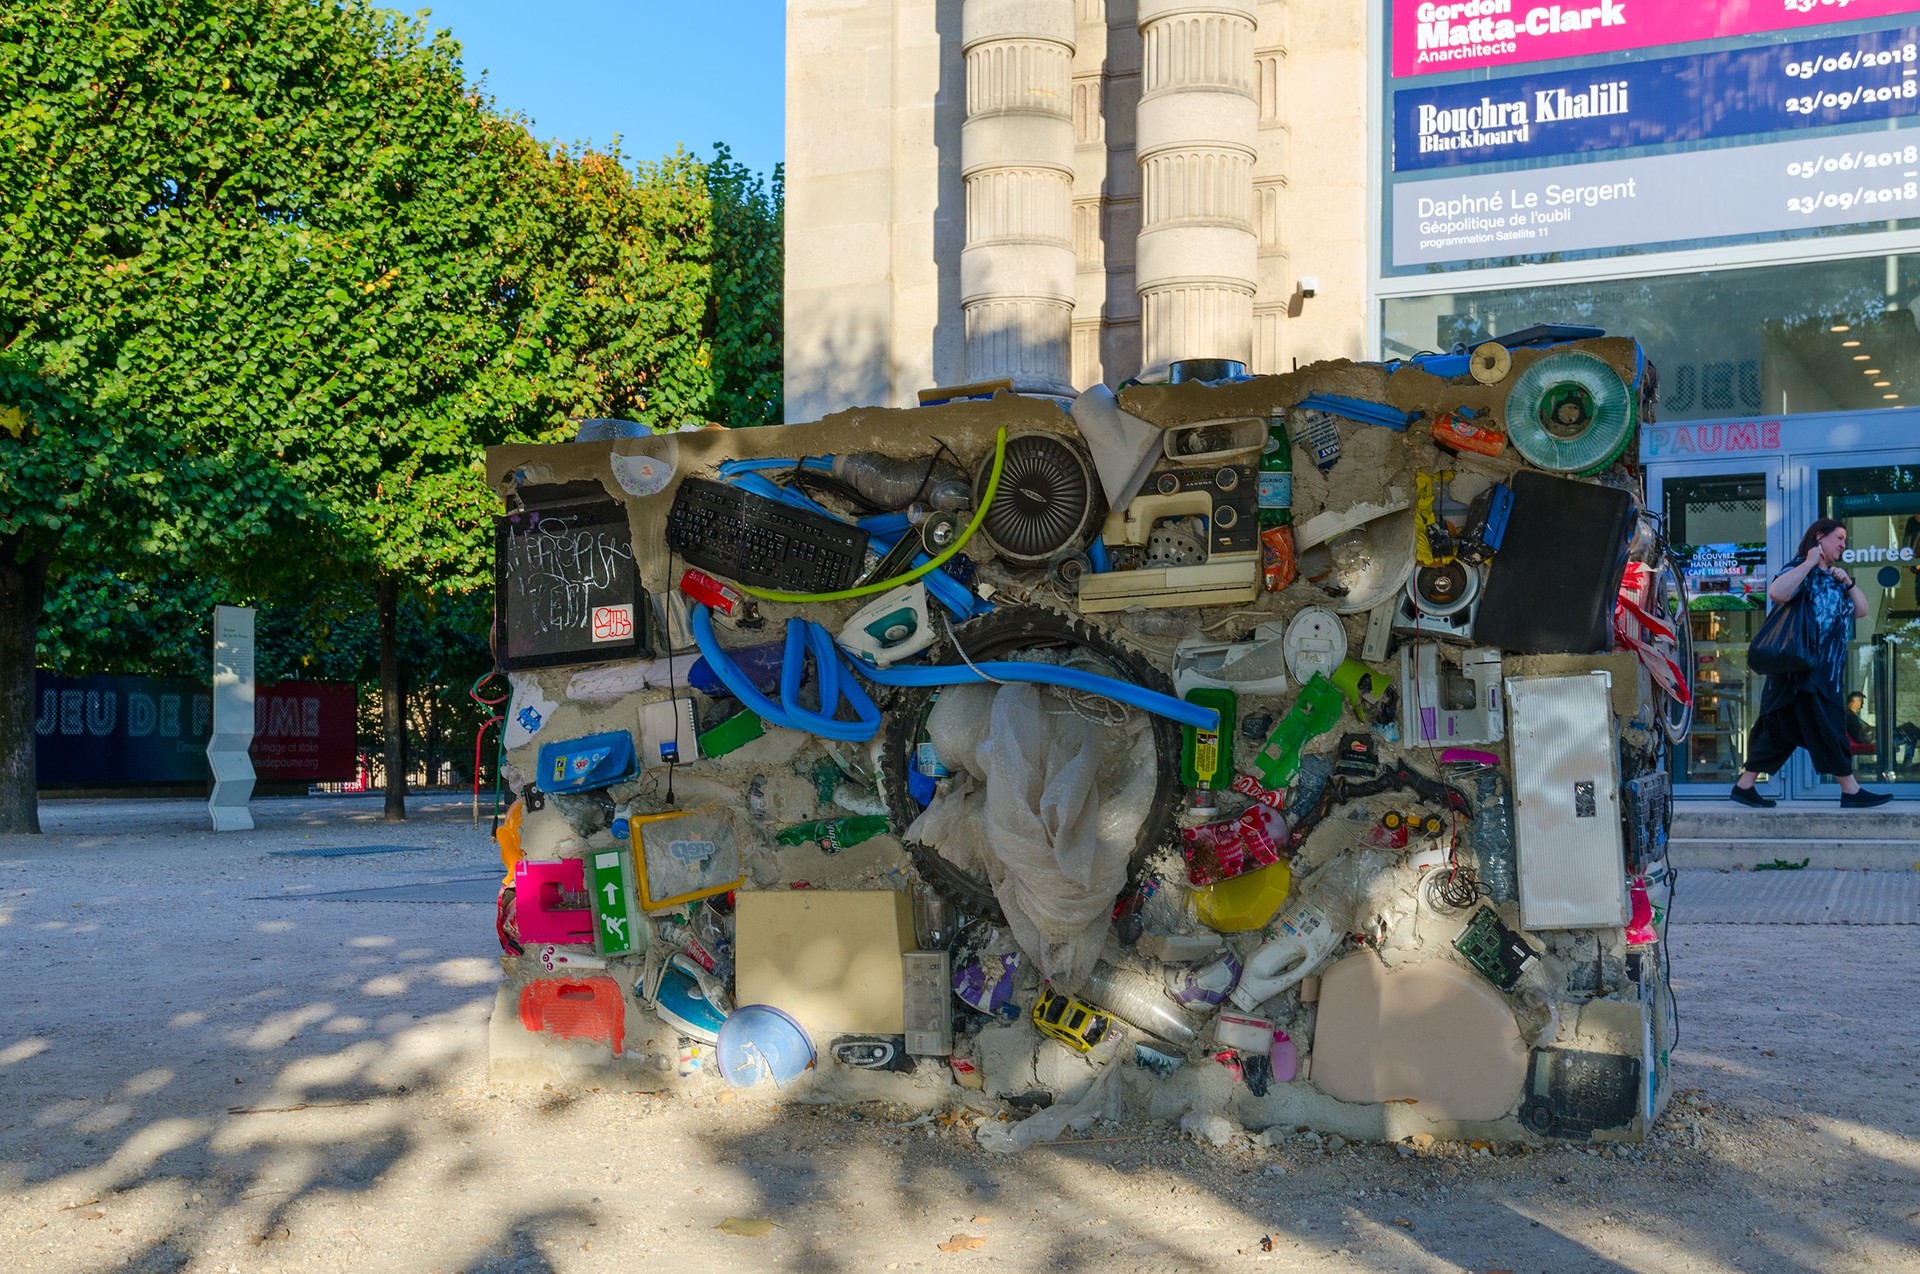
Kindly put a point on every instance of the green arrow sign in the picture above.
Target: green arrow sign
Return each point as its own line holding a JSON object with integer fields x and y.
{"x": 618, "y": 928}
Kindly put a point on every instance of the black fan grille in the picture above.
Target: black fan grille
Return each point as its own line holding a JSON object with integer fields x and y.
{"x": 1042, "y": 501}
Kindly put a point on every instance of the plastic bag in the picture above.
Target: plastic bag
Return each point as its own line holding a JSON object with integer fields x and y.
{"x": 1028, "y": 807}
{"x": 1232, "y": 847}
{"x": 1101, "y": 1101}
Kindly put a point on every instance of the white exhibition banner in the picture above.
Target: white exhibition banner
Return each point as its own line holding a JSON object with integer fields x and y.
{"x": 227, "y": 749}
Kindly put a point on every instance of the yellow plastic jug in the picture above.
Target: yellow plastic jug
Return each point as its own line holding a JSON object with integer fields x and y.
{"x": 1245, "y": 902}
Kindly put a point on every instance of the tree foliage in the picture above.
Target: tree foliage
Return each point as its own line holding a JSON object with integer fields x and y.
{"x": 275, "y": 275}
{"x": 745, "y": 318}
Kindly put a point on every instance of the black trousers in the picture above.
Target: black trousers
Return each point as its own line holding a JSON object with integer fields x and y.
{"x": 1806, "y": 720}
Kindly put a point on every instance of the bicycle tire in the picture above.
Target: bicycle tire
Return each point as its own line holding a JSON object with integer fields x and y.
{"x": 1670, "y": 594}
{"x": 996, "y": 636}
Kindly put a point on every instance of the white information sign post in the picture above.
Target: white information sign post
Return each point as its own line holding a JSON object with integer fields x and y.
{"x": 232, "y": 719}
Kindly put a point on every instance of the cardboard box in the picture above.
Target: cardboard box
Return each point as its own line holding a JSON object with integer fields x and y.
{"x": 831, "y": 959}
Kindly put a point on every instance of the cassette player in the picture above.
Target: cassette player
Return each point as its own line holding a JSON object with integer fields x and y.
{"x": 1190, "y": 538}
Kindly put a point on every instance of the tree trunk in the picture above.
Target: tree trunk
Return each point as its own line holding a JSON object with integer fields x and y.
{"x": 23, "y": 591}
{"x": 393, "y": 706}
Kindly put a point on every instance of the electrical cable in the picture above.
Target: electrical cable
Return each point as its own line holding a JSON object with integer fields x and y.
{"x": 673, "y": 692}
{"x": 907, "y": 577}
{"x": 819, "y": 464}
{"x": 961, "y": 651}
{"x": 1455, "y": 888}
{"x": 500, "y": 751}
{"x": 473, "y": 691}
{"x": 1666, "y": 958}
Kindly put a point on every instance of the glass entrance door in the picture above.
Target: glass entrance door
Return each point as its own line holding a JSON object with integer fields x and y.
{"x": 1725, "y": 522}
{"x": 1876, "y": 496}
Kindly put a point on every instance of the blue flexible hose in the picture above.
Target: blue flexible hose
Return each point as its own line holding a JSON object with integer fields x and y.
{"x": 1134, "y": 696}
{"x": 805, "y": 637}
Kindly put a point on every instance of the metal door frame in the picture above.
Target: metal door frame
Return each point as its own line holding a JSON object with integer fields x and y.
{"x": 1774, "y": 469}
{"x": 1803, "y": 493}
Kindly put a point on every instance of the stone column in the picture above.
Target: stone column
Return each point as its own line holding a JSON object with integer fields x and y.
{"x": 1197, "y": 125}
{"x": 1016, "y": 155}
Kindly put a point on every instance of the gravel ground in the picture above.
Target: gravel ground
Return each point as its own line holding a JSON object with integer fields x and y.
{"x": 205, "y": 1072}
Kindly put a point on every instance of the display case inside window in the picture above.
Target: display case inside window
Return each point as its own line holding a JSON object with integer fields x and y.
{"x": 1717, "y": 525}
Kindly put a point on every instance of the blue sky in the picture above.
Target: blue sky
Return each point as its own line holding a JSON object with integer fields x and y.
{"x": 656, "y": 72}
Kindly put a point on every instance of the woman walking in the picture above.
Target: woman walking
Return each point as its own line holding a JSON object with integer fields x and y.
{"x": 1806, "y": 710}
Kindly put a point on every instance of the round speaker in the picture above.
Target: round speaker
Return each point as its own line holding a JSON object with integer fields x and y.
{"x": 1570, "y": 413}
{"x": 1446, "y": 589}
{"x": 1048, "y": 500}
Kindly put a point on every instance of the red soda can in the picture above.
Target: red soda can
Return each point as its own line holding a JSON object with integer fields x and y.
{"x": 708, "y": 591}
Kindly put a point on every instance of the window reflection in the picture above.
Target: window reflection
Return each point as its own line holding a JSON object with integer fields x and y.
{"x": 1770, "y": 341}
{"x": 1880, "y": 507}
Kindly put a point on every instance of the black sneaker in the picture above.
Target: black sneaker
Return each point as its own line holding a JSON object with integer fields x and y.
{"x": 1747, "y": 796}
{"x": 1863, "y": 799}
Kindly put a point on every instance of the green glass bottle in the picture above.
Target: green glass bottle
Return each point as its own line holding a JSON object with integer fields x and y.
{"x": 1276, "y": 477}
{"x": 1277, "y": 566}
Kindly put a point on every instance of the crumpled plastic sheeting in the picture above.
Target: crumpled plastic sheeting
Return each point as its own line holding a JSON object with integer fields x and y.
{"x": 1101, "y": 1101}
{"x": 1047, "y": 804}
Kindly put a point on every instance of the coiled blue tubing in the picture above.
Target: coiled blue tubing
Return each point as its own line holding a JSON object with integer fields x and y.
{"x": 804, "y": 638}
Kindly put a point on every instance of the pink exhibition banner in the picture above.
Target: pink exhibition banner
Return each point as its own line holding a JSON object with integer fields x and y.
{"x": 1431, "y": 36}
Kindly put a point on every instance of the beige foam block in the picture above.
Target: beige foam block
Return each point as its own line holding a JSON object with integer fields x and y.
{"x": 1435, "y": 1033}
{"x": 830, "y": 958}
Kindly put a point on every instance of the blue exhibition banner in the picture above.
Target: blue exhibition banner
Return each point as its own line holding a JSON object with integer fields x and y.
{"x": 1855, "y": 79}
{"x": 114, "y": 731}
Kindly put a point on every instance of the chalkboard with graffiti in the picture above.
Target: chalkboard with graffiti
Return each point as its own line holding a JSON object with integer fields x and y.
{"x": 565, "y": 587}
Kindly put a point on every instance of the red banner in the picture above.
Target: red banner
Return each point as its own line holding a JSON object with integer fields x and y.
{"x": 304, "y": 731}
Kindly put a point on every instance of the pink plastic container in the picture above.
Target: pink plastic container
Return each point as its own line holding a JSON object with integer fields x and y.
{"x": 550, "y": 901}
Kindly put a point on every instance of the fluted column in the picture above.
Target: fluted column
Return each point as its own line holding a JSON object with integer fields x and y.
{"x": 1016, "y": 156}
{"x": 1197, "y": 126}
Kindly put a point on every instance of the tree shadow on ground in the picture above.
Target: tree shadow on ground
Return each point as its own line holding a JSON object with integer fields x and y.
{"x": 196, "y": 1080}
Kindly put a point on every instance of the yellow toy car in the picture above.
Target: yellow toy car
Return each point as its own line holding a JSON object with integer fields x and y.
{"x": 1079, "y": 1026}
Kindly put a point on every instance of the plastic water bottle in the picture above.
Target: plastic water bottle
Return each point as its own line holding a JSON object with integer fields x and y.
{"x": 1140, "y": 1000}
{"x": 1491, "y": 835}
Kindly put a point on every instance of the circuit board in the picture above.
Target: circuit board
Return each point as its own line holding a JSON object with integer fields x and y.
{"x": 1499, "y": 953}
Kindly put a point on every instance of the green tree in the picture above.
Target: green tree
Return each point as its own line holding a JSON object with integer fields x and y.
{"x": 745, "y": 317}
{"x": 275, "y": 278}
{"x": 180, "y": 318}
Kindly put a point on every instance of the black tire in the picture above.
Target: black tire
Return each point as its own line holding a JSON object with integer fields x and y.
{"x": 997, "y": 636}
{"x": 1670, "y": 593}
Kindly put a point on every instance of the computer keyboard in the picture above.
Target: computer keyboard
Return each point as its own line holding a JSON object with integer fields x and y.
{"x": 762, "y": 543}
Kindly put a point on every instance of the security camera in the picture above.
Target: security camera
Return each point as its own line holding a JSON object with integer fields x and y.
{"x": 1309, "y": 284}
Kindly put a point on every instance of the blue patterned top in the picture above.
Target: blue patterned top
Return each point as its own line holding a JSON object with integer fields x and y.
{"x": 1832, "y": 606}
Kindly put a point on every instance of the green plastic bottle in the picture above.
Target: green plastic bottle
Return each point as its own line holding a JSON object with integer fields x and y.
{"x": 1276, "y": 476}
{"x": 1206, "y": 756}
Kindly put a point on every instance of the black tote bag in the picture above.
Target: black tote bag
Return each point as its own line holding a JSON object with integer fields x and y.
{"x": 1786, "y": 642}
